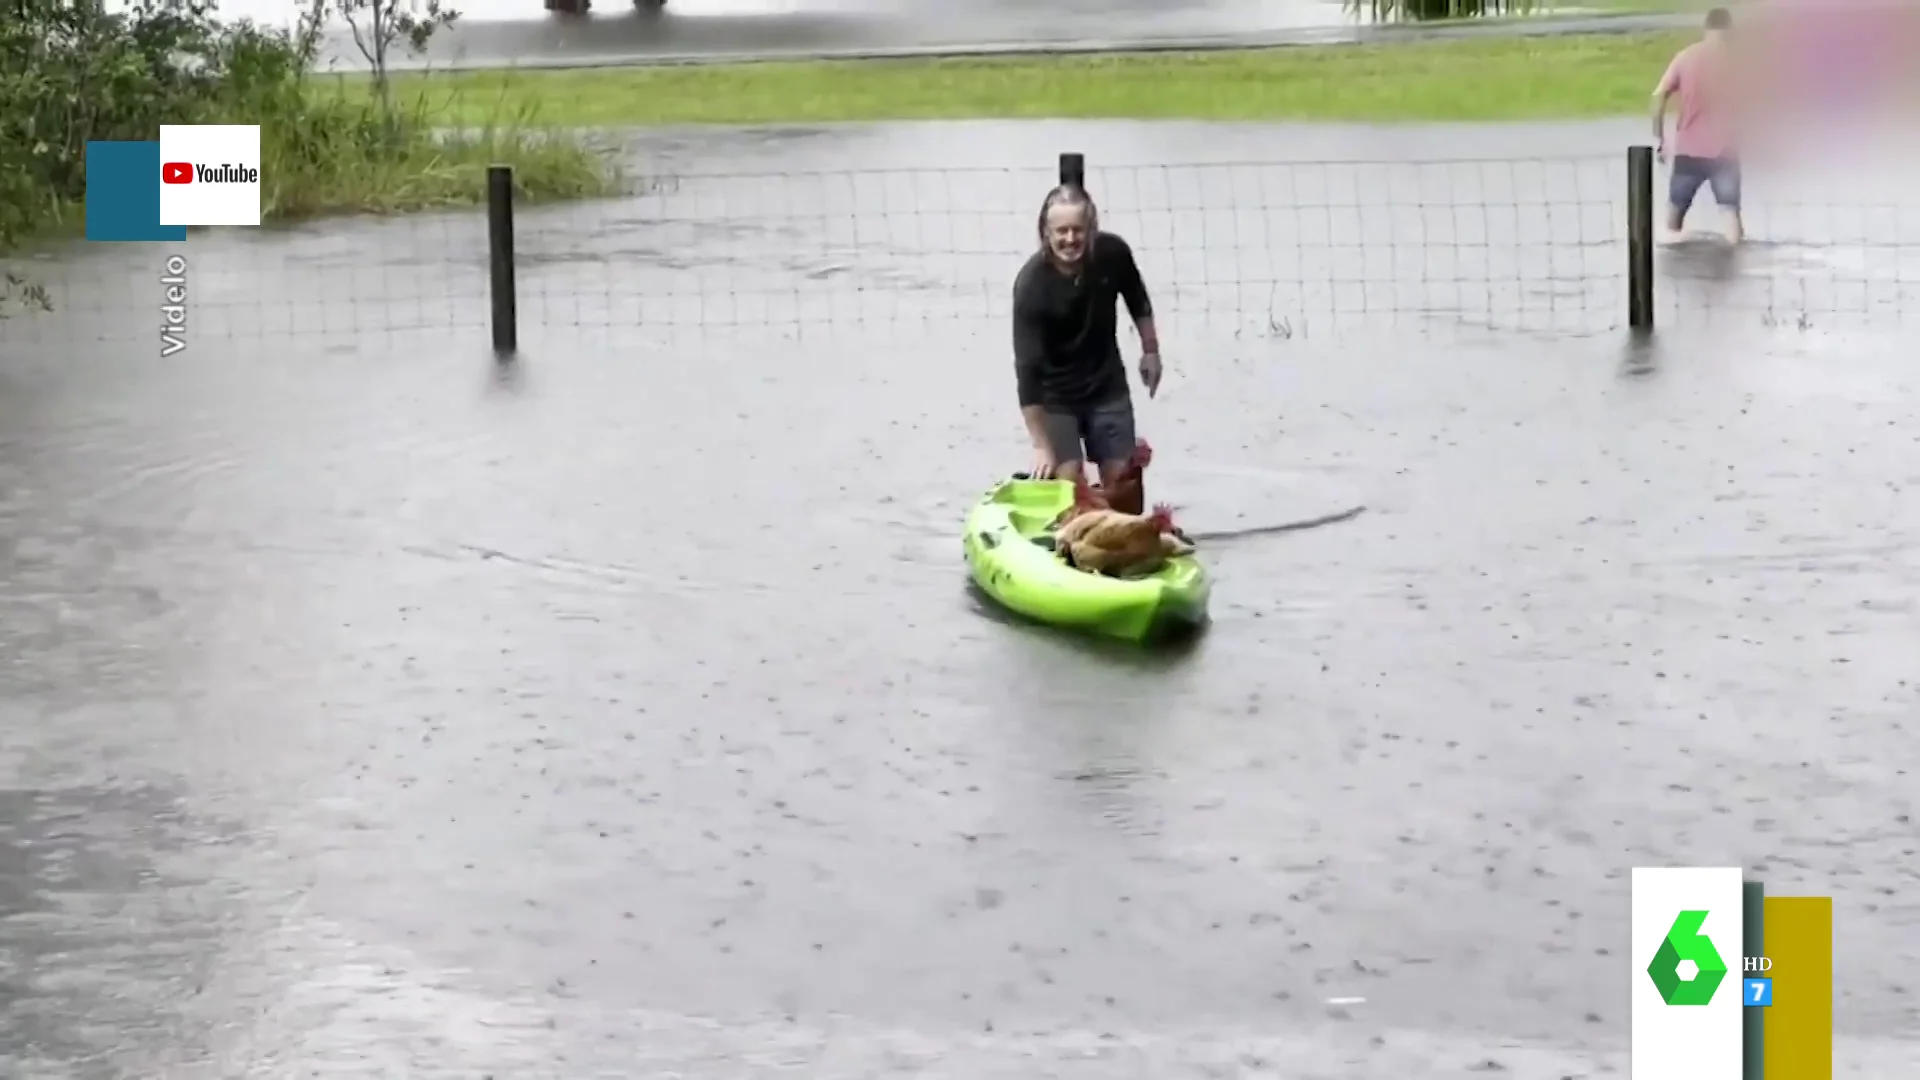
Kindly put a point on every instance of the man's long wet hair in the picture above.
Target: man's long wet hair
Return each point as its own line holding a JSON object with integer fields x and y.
{"x": 1067, "y": 195}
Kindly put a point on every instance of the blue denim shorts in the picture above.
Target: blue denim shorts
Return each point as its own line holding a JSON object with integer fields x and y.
{"x": 1689, "y": 173}
{"x": 1105, "y": 430}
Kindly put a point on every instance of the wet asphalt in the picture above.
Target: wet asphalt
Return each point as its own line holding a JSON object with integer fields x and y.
{"x": 371, "y": 709}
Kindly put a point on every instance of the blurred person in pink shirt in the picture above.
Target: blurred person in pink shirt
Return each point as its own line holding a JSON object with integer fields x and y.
{"x": 1701, "y": 76}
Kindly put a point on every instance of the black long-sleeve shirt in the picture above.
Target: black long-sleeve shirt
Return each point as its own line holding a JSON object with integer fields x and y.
{"x": 1066, "y": 343}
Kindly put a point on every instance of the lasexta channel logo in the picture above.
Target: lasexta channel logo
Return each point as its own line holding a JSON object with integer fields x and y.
{"x": 1685, "y": 944}
{"x": 176, "y": 172}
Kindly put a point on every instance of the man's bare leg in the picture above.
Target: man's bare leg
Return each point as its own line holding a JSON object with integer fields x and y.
{"x": 1676, "y": 220}
{"x": 1736, "y": 226}
{"x": 1124, "y": 487}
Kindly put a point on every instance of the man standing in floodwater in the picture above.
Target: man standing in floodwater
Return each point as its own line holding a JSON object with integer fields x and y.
{"x": 1702, "y": 76}
{"x": 1072, "y": 383}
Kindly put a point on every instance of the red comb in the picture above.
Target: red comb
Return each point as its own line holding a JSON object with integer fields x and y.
{"x": 1162, "y": 517}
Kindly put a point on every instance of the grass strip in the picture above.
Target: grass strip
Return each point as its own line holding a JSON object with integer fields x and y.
{"x": 1479, "y": 79}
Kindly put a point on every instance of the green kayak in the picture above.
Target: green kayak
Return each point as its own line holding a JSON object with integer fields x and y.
{"x": 1012, "y": 561}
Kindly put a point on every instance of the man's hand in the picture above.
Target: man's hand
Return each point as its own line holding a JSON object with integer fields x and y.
{"x": 1660, "y": 151}
{"x": 1150, "y": 372}
{"x": 1044, "y": 464}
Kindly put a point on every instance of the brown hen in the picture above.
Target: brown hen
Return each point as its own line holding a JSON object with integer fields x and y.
{"x": 1099, "y": 539}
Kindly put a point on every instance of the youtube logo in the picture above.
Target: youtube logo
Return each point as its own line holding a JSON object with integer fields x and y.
{"x": 209, "y": 175}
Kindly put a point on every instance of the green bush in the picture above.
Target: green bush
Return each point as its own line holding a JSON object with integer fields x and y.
{"x": 71, "y": 72}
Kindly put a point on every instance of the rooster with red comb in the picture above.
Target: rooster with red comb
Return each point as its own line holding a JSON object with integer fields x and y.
{"x": 1094, "y": 536}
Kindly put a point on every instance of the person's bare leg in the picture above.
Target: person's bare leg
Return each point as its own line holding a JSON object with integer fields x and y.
{"x": 1676, "y": 220}
{"x": 1063, "y": 438}
{"x": 1684, "y": 180}
{"x": 1069, "y": 471}
{"x": 1124, "y": 486}
{"x": 1726, "y": 192}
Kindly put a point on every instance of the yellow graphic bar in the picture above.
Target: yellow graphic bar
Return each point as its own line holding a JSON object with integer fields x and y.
{"x": 1799, "y": 1027}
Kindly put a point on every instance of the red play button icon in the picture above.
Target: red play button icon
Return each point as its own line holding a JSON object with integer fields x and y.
{"x": 176, "y": 172}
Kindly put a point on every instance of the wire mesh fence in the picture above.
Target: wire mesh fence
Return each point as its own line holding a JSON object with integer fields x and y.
{"x": 1269, "y": 249}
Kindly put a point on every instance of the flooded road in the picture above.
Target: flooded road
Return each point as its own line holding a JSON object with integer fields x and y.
{"x": 371, "y": 711}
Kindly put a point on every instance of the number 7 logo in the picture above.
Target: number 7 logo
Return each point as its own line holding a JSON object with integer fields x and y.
{"x": 1759, "y": 993}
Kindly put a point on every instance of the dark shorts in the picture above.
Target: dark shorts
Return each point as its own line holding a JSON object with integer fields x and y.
{"x": 1104, "y": 430}
{"x": 1689, "y": 173}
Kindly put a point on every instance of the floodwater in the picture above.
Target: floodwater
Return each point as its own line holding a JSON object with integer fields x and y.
{"x": 372, "y": 710}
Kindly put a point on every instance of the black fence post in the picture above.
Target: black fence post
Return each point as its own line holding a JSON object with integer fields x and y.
{"x": 1073, "y": 170}
{"x": 1640, "y": 237}
{"x": 506, "y": 315}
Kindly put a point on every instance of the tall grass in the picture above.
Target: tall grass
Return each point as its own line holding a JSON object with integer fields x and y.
{"x": 342, "y": 151}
